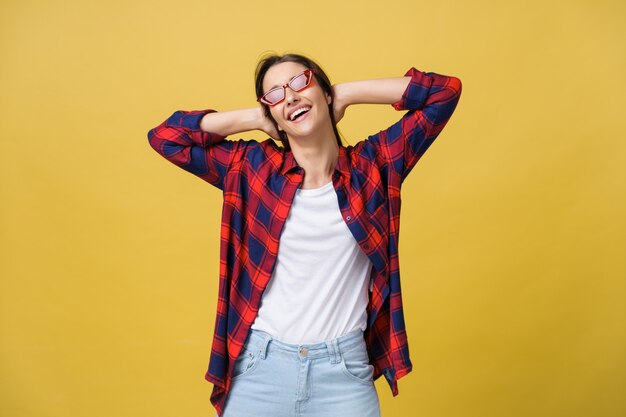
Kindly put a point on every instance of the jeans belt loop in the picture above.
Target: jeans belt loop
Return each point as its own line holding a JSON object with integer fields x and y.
{"x": 264, "y": 345}
{"x": 333, "y": 351}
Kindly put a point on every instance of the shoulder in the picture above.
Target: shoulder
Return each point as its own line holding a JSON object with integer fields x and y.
{"x": 366, "y": 161}
{"x": 364, "y": 154}
{"x": 256, "y": 153}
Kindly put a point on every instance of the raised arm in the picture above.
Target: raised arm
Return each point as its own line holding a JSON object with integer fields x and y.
{"x": 430, "y": 98}
{"x": 381, "y": 91}
{"x": 237, "y": 121}
{"x": 194, "y": 140}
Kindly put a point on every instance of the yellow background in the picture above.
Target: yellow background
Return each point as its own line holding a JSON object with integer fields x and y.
{"x": 512, "y": 228}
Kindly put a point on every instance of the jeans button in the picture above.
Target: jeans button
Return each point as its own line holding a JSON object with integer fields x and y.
{"x": 303, "y": 352}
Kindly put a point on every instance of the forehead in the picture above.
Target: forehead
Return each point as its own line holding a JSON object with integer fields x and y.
{"x": 280, "y": 74}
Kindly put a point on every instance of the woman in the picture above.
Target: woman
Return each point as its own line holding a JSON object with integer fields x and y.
{"x": 310, "y": 309}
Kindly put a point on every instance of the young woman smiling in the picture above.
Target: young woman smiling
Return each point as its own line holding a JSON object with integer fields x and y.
{"x": 310, "y": 308}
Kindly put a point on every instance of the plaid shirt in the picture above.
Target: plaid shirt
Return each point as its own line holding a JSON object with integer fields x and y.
{"x": 259, "y": 181}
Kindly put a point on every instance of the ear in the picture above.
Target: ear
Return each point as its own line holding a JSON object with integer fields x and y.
{"x": 329, "y": 99}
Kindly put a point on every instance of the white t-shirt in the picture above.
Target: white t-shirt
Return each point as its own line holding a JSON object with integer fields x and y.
{"x": 319, "y": 287}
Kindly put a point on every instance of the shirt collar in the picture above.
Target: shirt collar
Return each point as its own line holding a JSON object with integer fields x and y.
{"x": 343, "y": 165}
{"x": 289, "y": 162}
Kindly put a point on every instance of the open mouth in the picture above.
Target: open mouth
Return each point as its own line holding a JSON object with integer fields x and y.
{"x": 299, "y": 113}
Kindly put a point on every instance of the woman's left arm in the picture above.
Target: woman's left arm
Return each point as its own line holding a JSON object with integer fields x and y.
{"x": 381, "y": 91}
{"x": 430, "y": 98}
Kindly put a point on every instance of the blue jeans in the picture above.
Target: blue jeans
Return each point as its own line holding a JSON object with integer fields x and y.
{"x": 327, "y": 379}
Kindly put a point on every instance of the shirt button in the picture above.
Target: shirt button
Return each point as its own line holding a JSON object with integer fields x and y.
{"x": 348, "y": 218}
{"x": 366, "y": 246}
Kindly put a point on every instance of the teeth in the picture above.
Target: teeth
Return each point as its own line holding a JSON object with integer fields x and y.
{"x": 297, "y": 112}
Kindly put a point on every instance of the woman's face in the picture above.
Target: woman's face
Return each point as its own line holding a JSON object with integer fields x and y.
{"x": 312, "y": 99}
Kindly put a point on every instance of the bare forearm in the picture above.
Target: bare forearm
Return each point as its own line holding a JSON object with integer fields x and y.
{"x": 381, "y": 91}
{"x": 234, "y": 121}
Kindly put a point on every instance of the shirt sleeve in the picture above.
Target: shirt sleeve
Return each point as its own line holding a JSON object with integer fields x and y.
{"x": 207, "y": 155}
{"x": 430, "y": 99}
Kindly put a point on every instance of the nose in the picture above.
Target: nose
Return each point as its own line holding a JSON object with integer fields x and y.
{"x": 290, "y": 96}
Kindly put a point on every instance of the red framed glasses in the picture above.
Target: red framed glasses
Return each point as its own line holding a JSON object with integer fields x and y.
{"x": 297, "y": 83}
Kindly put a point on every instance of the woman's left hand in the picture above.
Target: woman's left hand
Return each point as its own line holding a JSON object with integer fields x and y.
{"x": 339, "y": 103}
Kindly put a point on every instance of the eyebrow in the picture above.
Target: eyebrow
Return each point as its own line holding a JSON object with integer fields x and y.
{"x": 280, "y": 85}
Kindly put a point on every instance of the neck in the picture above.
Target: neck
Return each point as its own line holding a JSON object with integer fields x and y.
{"x": 317, "y": 154}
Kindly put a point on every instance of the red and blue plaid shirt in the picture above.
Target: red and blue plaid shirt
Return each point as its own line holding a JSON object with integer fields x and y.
{"x": 259, "y": 181}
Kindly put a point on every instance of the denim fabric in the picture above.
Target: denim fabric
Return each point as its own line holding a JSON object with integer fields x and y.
{"x": 328, "y": 379}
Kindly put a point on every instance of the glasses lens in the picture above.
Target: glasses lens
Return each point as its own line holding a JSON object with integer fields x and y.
{"x": 275, "y": 95}
{"x": 297, "y": 83}
{"x": 300, "y": 81}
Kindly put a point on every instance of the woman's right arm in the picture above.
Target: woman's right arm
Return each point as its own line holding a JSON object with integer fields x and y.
{"x": 194, "y": 140}
{"x": 237, "y": 121}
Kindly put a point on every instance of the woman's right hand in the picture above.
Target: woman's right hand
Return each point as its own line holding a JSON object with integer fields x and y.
{"x": 266, "y": 125}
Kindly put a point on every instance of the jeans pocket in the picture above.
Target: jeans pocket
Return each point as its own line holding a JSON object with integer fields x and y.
{"x": 245, "y": 362}
{"x": 356, "y": 365}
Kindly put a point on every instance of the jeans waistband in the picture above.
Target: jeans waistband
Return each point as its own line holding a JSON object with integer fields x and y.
{"x": 263, "y": 341}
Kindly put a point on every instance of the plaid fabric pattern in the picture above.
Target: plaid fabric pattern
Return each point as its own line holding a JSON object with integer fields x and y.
{"x": 259, "y": 181}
